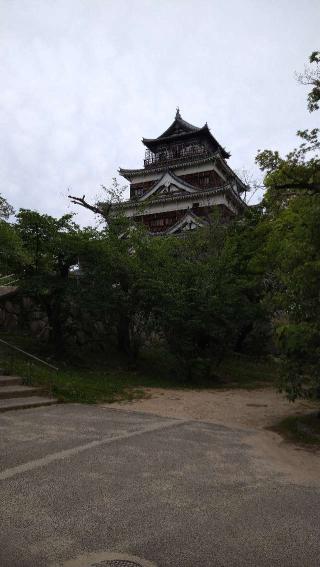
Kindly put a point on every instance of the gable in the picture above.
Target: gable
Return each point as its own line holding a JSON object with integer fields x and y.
{"x": 178, "y": 126}
{"x": 169, "y": 184}
{"x": 187, "y": 223}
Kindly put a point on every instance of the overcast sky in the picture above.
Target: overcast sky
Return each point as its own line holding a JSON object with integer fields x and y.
{"x": 84, "y": 80}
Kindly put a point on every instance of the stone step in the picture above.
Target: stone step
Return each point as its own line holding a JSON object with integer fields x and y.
{"x": 19, "y": 391}
{"x": 4, "y": 372}
{"x": 25, "y": 403}
{"x": 10, "y": 380}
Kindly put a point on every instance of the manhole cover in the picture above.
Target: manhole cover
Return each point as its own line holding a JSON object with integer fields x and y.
{"x": 116, "y": 563}
{"x": 108, "y": 560}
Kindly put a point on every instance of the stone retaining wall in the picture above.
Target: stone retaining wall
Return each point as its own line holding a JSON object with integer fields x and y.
{"x": 21, "y": 314}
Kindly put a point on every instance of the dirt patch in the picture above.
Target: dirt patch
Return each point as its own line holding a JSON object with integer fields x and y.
{"x": 234, "y": 408}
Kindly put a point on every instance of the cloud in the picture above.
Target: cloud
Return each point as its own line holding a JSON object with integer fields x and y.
{"x": 83, "y": 81}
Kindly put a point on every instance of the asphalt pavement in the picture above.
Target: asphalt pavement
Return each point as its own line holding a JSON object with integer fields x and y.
{"x": 91, "y": 486}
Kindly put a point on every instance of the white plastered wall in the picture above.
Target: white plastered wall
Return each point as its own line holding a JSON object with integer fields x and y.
{"x": 181, "y": 204}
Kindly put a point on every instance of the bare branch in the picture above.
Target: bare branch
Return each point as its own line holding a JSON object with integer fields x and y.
{"x": 100, "y": 209}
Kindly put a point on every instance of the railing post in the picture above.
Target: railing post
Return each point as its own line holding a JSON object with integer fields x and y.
{"x": 11, "y": 365}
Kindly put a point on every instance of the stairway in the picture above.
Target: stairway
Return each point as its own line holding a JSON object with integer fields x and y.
{"x": 15, "y": 395}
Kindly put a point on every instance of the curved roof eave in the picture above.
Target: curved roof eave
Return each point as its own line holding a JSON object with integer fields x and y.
{"x": 152, "y": 142}
{"x": 227, "y": 188}
{"x": 164, "y": 137}
{"x": 180, "y": 123}
{"x": 130, "y": 173}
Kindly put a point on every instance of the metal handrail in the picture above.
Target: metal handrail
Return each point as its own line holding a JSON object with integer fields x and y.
{"x": 8, "y": 283}
{"x": 28, "y": 354}
{"x": 5, "y": 281}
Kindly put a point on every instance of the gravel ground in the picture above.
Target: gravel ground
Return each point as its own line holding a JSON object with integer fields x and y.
{"x": 88, "y": 486}
{"x": 253, "y": 410}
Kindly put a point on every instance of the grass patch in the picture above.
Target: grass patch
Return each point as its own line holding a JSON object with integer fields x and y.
{"x": 82, "y": 385}
{"x": 241, "y": 371}
{"x": 303, "y": 430}
{"x": 106, "y": 377}
{"x": 235, "y": 371}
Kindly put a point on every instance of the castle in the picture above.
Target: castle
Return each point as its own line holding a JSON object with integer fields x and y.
{"x": 184, "y": 179}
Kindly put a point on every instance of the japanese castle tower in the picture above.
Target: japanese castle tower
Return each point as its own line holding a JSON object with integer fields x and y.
{"x": 184, "y": 178}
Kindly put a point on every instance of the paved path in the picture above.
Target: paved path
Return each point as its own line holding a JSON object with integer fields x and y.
{"x": 78, "y": 480}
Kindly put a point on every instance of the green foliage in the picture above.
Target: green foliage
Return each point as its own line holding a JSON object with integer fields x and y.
{"x": 13, "y": 256}
{"x": 204, "y": 296}
{"x": 303, "y": 430}
{"x": 299, "y": 170}
{"x": 294, "y": 174}
{"x": 6, "y": 210}
{"x": 292, "y": 257}
{"x": 311, "y": 77}
{"x": 52, "y": 246}
{"x": 198, "y": 295}
{"x": 89, "y": 382}
{"x": 49, "y": 241}
{"x": 291, "y": 254}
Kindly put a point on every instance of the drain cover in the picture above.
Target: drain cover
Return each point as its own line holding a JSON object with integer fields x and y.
{"x": 104, "y": 559}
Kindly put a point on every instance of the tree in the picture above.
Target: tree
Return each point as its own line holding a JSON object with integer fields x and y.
{"x": 193, "y": 291}
{"x": 299, "y": 170}
{"x": 292, "y": 251}
{"x": 52, "y": 246}
{"x": 113, "y": 283}
{"x": 294, "y": 296}
{"x": 311, "y": 77}
{"x": 6, "y": 210}
{"x": 119, "y": 267}
{"x": 12, "y": 256}
{"x": 113, "y": 197}
{"x": 203, "y": 294}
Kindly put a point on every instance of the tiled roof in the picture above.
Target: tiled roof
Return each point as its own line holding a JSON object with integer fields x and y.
{"x": 186, "y": 196}
{"x": 128, "y": 173}
{"x": 181, "y": 129}
{"x": 178, "y": 127}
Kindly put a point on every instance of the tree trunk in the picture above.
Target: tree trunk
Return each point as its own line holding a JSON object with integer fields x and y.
{"x": 53, "y": 310}
{"x": 242, "y": 337}
{"x": 124, "y": 342}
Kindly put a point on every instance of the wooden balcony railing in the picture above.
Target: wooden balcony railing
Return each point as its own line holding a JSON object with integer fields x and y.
{"x": 176, "y": 154}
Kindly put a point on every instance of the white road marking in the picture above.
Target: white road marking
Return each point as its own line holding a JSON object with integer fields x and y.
{"x": 37, "y": 463}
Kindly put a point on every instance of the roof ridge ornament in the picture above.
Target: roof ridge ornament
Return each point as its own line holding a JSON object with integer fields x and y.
{"x": 178, "y": 115}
